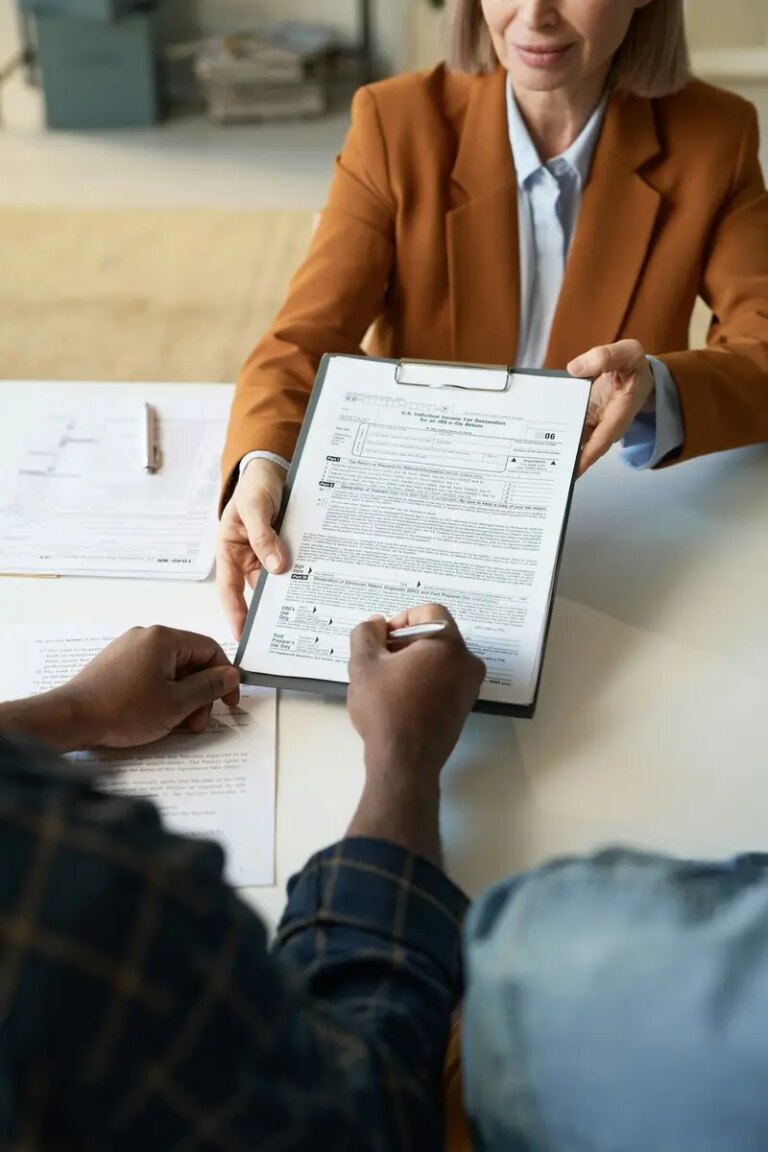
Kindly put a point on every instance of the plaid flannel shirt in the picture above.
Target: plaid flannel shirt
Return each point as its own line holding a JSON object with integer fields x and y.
{"x": 141, "y": 1009}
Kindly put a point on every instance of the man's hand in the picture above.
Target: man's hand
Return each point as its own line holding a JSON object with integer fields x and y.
{"x": 247, "y": 541}
{"x": 149, "y": 682}
{"x": 623, "y": 387}
{"x": 140, "y": 688}
{"x": 409, "y": 705}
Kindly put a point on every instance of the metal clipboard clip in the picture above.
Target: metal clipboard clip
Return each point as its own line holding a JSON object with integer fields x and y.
{"x": 469, "y": 377}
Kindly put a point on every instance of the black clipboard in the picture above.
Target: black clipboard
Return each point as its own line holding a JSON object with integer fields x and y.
{"x": 408, "y": 373}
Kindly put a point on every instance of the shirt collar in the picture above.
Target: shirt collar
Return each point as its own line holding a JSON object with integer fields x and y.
{"x": 578, "y": 156}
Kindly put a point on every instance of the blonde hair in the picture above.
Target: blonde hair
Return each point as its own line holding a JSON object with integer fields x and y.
{"x": 652, "y": 60}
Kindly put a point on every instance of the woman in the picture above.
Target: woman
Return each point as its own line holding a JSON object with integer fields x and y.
{"x": 558, "y": 195}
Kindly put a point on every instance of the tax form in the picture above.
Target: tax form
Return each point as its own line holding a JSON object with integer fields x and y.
{"x": 75, "y": 498}
{"x": 402, "y": 495}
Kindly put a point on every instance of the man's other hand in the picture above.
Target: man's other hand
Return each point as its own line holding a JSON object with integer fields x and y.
{"x": 147, "y": 683}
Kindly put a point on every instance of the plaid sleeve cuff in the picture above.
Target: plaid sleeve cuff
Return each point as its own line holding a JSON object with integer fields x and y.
{"x": 376, "y": 888}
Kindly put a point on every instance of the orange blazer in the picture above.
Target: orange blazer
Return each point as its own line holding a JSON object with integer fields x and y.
{"x": 419, "y": 238}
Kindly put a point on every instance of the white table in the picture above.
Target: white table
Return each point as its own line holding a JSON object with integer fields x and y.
{"x": 652, "y": 725}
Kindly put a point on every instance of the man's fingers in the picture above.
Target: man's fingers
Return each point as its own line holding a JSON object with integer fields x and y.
{"x": 257, "y": 517}
{"x": 198, "y": 721}
{"x": 422, "y": 614}
{"x": 194, "y": 650}
{"x": 201, "y": 689}
{"x": 368, "y": 639}
{"x": 623, "y": 356}
{"x": 221, "y": 660}
{"x": 232, "y": 698}
{"x": 476, "y": 673}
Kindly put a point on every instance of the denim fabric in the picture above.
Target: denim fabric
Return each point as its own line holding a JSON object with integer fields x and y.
{"x": 620, "y": 1004}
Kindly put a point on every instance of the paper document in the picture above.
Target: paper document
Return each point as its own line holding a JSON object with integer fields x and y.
{"x": 220, "y": 784}
{"x": 75, "y": 498}
{"x": 403, "y": 495}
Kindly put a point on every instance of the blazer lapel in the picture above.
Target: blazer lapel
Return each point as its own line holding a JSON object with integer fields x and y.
{"x": 481, "y": 229}
{"x": 613, "y": 233}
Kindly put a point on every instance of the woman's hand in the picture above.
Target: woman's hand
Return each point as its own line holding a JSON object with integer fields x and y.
{"x": 247, "y": 539}
{"x": 623, "y": 387}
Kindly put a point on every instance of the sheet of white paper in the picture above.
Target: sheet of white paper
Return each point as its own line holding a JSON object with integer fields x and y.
{"x": 74, "y": 496}
{"x": 406, "y": 495}
{"x": 219, "y": 785}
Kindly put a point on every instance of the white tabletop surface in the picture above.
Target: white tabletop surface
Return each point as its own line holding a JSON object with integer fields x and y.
{"x": 652, "y": 724}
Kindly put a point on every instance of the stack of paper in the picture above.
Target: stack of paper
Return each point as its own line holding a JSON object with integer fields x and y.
{"x": 277, "y": 74}
{"x": 75, "y": 498}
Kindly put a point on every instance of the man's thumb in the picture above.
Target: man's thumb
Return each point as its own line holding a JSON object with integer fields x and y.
{"x": 207, "y": 686}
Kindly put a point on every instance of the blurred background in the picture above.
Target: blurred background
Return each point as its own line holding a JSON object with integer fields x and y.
{"x": 161, "y": 162}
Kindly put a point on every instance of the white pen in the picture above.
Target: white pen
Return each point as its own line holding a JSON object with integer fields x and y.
{"x": 416, "y": 631}
{"x": 151, "y": 440}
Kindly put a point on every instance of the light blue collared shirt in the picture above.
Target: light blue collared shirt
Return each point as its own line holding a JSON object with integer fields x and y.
{"x": 618, "y": 1003}
{"x": 548, "y": 202}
